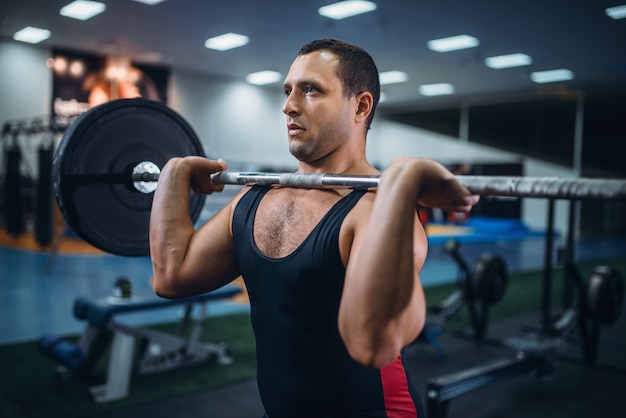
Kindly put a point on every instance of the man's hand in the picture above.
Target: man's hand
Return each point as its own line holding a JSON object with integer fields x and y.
{"x": 198, "y": 170}
{"x": 436, "y": 186}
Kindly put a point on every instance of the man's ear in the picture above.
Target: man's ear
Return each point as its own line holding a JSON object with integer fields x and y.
{"x": 364, "y": 102}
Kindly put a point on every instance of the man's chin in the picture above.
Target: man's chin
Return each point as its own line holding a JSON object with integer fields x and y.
{"x": 301, "y": 153}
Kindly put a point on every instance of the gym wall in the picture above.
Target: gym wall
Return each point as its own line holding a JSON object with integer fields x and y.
{"x": 244, "y": 125}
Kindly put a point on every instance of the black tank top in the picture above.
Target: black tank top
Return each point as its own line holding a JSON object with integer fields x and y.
{"x": 303, "y": 367}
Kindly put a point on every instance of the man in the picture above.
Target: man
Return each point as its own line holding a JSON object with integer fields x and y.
{"x": 332, "y": 275}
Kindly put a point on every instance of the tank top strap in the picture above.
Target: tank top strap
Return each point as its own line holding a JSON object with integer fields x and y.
{"x": 245, "y": 211}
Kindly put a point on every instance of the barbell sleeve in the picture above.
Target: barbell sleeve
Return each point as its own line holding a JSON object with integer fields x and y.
{"x": 147, "y": 177}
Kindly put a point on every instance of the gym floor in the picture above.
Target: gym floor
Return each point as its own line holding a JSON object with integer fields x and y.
{"x": 38, "y": 288}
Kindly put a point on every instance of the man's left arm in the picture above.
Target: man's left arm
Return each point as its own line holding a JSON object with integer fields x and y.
{"x": 383, "y": 306}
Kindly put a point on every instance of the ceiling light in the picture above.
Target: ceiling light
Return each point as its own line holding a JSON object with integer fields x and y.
{"x": 150, "y": 2}
{"x": 507, "y": 61}
{"x": 438, "y": 89}
{"x": 616, "y": 12}
{"x": 58, "y": 64}
{"x": 551, "y": 76}
{"x": 31, "y": 35}
{"x": 392, "y": 77}
{"x": 453, "y": 43}
{"x": 226, "y": 41}
{"x": 347, "y": 8}
{"x": 264, "y": 77}
{"x": 82, "y": 9}
{"x": 77, "y": 68}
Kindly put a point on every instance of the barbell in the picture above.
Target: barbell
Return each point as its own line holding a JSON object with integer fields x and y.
{"x": 108, "y": 163}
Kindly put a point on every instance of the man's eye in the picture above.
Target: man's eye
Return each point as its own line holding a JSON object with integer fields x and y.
{"x": 287, "y": 92}
{"x": 309, "y": 89}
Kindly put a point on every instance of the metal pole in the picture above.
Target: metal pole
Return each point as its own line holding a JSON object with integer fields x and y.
{"x": 546, "y": 292}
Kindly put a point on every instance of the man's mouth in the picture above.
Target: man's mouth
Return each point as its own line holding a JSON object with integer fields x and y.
{"x": 294, "y": 129}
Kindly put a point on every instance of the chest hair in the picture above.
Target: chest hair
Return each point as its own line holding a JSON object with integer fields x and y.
{"x": 285, "y": 217}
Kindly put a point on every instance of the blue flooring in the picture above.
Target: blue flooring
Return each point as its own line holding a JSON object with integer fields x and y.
{"x": 487, "y": 229}
{"x": 36, "y": 300}
{"x": 37, "y": 297}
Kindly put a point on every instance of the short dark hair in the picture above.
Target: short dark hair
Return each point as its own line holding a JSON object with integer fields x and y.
{"x": 356, "y": 70}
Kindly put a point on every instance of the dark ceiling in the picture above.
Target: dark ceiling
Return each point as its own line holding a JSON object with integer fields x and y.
{"x": 576, "y": 35}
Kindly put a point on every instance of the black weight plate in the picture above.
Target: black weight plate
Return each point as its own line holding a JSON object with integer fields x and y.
{"x": 605, "y": 293}
{"x": 105, "y": 143}
{"x": 489, "y": 279}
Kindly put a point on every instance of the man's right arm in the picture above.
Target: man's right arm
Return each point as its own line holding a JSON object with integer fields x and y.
{"x": 187, "y": 261}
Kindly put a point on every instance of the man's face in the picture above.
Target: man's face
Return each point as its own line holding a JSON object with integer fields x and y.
{"x": 319, "y": 117}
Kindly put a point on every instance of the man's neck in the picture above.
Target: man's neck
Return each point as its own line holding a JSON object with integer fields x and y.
{"x": 352, "y": 167}
{"x": 345, "y": 160}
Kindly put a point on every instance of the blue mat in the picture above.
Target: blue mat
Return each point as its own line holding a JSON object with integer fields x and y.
{"x": 489, "y": 229}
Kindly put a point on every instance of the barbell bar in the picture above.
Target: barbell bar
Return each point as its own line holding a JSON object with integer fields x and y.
{"x": 108, "y": 163}
{"x": 533, "y": 187}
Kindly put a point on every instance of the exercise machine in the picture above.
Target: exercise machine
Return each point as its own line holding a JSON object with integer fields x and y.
{"x": 157, "y": 352}
{"x": 477, "y": 288}
{"x": 587, "y": 305}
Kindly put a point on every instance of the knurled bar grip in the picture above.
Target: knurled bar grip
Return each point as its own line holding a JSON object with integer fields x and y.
{"x": 546, "y": 187}
{"x": 303, "y": 180}
{"x": 537, "y": 187}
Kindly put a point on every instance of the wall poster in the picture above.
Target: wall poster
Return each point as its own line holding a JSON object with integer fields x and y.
{"x": 82, "y": 81}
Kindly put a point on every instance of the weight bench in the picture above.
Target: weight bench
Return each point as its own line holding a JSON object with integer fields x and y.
{"x": 534, "y": 354}
{"x": 161, "y": 351}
